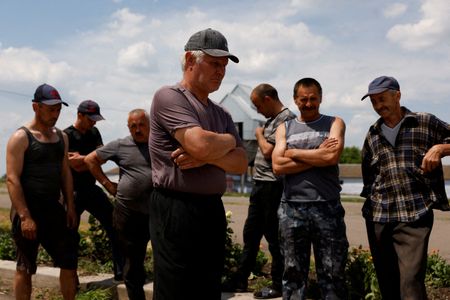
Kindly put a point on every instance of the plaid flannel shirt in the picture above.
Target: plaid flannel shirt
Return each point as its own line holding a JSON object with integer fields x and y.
{"x": 395, "y": 187}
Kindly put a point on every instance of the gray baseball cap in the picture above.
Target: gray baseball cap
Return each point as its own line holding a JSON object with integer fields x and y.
{"x": 381, "y": 84}
{"x": 211, "y": 42}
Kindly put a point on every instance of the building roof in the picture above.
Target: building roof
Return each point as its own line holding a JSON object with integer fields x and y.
{"x": 240, "y": 97}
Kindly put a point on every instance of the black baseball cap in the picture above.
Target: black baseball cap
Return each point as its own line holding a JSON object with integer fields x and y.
{"x": 381, "y": 84}
{"x": 91, "y": 109}
{"x": 211, "y": 42}
{"x": 48, "y": 95}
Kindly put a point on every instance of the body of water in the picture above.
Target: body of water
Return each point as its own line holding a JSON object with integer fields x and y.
{"x": 354, "y": 186}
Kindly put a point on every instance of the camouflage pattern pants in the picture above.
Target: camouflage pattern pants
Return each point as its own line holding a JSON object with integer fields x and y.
{"x": 320, "y": 224}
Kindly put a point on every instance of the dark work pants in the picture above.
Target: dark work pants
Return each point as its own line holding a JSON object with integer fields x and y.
{"x": 93, "y": 200}
{"x": 320, "y": 224}
{"x": 188, "y": 239}
{"x": 399, "y": 252}
{"x": 262, "y": 220}
{"x": 133, "y": 236}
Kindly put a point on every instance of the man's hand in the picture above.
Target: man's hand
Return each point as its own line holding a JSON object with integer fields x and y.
{"x": 329, "y": 143}
{"x": 111, "y": 187}
{"x": 432, "y": 159}
{"x": 72, "y": 218}
{"x": 29, "y": 228}
{"x": 184, "y": 160}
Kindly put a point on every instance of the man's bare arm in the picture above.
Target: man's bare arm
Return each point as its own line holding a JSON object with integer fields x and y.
{"x": 280, "y": 163}
{"x": 432, "y": 158}
{"x": 265, "y": 147}
{"x": 328, "y": 153}
{"x": 15, "y": 151}
{"x": 94, "y": 163}
{"x": 234, "y": 161}
{"x": 67, "y": 187}
{"x": 205, "y": 145}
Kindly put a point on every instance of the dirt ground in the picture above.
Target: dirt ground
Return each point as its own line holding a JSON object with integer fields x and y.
{"x": 356, "y": 232}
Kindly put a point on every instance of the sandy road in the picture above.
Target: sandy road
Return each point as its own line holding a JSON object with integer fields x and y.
{"x": 356, "y": 229}
{"x": 356, "y": 232}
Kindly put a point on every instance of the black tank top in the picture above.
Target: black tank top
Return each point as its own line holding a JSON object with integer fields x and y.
{"x": 41, "y": 173}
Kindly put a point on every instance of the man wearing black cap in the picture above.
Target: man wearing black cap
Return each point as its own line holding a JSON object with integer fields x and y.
{"x": 403, "y": 183}
{"x": 193, "y": 144}
{"x": 38, "y": 172}
{"x": 84, "y": 138}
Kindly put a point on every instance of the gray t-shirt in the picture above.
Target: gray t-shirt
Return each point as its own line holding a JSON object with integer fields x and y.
{"x": 263, "y": 167}
{"x": 174, "y": 108}
{"x": 135, "y": 173}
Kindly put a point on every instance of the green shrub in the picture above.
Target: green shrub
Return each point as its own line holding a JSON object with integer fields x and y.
{"x": 233, "y": 253}
{"x": 7, "y": 247}
{"x": 361, "y": 277}
{"x": 438, "y": 271}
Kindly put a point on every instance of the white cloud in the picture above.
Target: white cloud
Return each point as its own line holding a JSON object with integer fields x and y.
{"x": 395, "y": 10}
{"x": 358, "y": 126}
{"x": 432, "y": 29}
{"x": 126, "y": 24}
{"x": 138, "y": 55}
{"x": 28, "y": 65}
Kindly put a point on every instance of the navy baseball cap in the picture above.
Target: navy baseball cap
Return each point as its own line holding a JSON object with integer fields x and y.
{"x": 48, "y": 95}
{"x": 211, "y": 42}
{"x": 381, "y": 84}
{"x": 91, "y": 109}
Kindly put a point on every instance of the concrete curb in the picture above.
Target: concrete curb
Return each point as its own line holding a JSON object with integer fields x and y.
{"x": 48, "y": 277}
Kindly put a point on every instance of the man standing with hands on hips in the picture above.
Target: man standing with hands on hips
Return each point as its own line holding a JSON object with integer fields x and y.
{"x": 403, "y": 183}
{"x": 193, "y": 144}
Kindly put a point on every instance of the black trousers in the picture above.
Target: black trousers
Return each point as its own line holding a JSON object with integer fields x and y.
{"x": 188, "y": 238}
{"x": 133, "y": 236}
{"x": 96, "y": 202}
{"x": 399, "y": 252}
{"x": 262, "y": 220}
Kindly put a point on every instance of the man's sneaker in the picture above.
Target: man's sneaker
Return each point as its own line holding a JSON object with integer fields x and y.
{"x": 267, "y": 293}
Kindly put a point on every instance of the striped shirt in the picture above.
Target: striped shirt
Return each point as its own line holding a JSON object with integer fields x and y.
{"x": 395, "y": 187}
{"x": 263, "y": 166}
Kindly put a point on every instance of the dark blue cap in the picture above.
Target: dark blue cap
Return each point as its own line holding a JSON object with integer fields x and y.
{"x": 381, "y": 84}
{"x": 47, "y": 95}
{"x": 91, "y": 109}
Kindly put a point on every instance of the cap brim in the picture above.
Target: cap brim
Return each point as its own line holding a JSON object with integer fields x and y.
{"x": 374, "y": 92}
{"x": 95, "y": 118}
{"x": 221, "y": 53}
{"x": 52, "y": 102}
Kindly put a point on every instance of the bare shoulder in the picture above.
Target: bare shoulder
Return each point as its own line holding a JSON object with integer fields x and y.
{"x": 339, "y": 121}
{"x": 18, "y": 141}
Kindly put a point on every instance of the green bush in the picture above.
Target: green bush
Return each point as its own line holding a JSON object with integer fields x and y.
{"x": 361, "y": 277}
{"x": 438, "y": 271}
{"x": 7, "y": 247}
{"x": 233, "y": 253}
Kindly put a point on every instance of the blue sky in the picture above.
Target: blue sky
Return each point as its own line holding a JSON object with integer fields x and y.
{"x": 120, "y": 52}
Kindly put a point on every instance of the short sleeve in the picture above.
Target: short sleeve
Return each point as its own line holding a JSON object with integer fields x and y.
{"x": 109, "y": 151}
{"x": 173, "y": 111}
